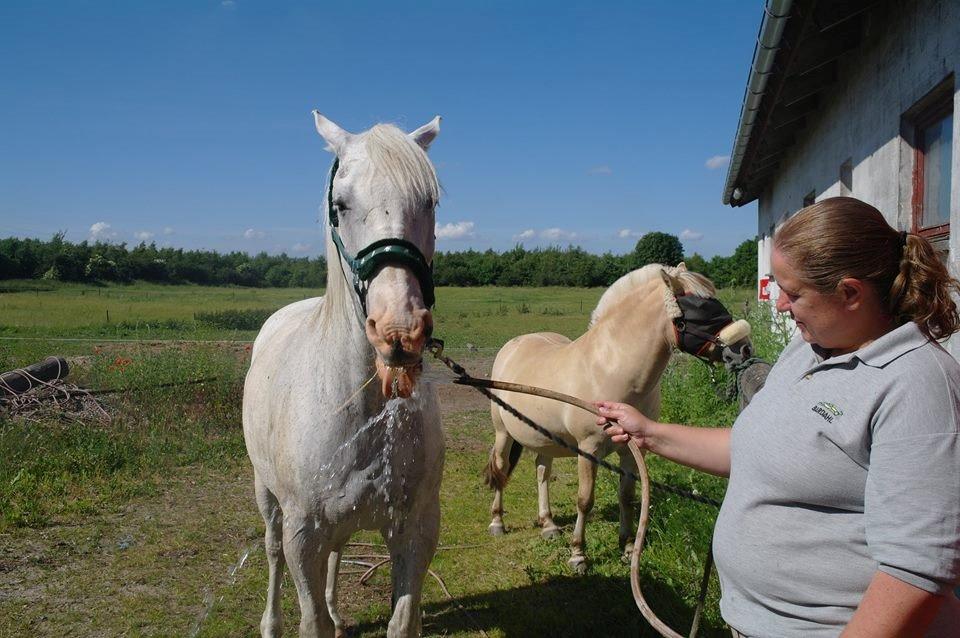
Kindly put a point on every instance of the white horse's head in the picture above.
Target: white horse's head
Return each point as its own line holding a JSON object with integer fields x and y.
{"x": 381, "y": 201}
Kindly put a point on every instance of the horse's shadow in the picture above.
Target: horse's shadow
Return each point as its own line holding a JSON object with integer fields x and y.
{"x": 562, "y": 606}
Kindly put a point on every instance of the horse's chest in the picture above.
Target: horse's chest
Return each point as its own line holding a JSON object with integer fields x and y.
{"x": 374, "y": 473}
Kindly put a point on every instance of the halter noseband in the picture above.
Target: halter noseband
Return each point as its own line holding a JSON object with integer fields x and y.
{"x": 391, "y": 250}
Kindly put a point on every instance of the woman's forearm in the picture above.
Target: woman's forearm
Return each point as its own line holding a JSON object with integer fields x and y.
{"x": 704, "y": 449}
{"x": 891, "y": 607}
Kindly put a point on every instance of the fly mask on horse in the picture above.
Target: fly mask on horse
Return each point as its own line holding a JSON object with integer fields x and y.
{"x": 331, "y": 453}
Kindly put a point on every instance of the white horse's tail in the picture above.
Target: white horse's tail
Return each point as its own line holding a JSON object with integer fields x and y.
{"x": 494, "y": 477}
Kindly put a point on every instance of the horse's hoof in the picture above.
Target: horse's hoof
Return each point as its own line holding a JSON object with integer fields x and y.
{"x": 627, "y": 553}
{"x": 496, "y": 529}
{"x": 578, "y": 564}
{"x": 548, "y": 533}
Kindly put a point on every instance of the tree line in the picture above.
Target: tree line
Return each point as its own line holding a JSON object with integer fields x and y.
{"x": 62, "y": 260}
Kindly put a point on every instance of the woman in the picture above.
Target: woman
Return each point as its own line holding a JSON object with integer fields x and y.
{"x": 842, "y": 514}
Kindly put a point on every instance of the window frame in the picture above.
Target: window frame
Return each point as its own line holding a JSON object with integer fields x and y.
{"x": 937, "y": 105}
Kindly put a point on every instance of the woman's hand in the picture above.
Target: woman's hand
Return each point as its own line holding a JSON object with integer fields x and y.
{"x": 626, "y": 422}
{"x": 705, "y": 449}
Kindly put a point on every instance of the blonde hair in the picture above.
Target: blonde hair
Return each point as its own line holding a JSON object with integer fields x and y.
{"x": 843, "y": 237}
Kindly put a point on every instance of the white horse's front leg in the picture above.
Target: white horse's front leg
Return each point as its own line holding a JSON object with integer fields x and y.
{"x": 271, "y": 624}
{"x": 587, "y": 473}
{"x": 549, "y": 529}
{"x": 307, "y": 559}
{"x": 412, "y": 545}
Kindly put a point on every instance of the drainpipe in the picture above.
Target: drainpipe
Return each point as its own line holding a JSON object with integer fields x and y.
{"x": 775, "y": 16}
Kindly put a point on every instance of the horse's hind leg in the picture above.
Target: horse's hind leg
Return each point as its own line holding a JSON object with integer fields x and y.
{"x": 307, "y": 560}
{"x": 587, "y": 473}
{"x": 333, "y": 570}
{"x": 544, "y": 516}
{"x": 271, "y": 624}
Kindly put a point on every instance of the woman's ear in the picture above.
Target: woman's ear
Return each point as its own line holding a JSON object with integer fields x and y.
{"x": 852, "y": 292}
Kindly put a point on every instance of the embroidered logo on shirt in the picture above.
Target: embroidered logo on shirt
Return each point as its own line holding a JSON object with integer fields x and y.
{"x": 827, "y": 410}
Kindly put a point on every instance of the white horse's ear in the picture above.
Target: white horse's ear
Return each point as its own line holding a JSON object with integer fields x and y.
{"x": 335, "y": 136}
{"x": 425, "y": 135}
{"x": 682, "y": 266}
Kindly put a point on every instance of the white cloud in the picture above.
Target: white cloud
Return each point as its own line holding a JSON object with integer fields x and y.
{"x": 250, "y": 233}
{"x": 717, "y": 161}
{"x": 101, "y": 231}
{"x": 167, "y": 231}
{"x": 527, "y": 234}
{"x": 301, "y": 248}
{"x": 228, "y": 4}
{"x": 626, "y": 233}
{"x": 690, "y": 235}
{"x": 143, "y": 235}
{"x": 458, "y": 230}
{"x": 557, "y": 234}
{"x": 603, "y": 169}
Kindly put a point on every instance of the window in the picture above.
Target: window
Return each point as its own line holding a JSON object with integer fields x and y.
{"x": 932, "y": 132}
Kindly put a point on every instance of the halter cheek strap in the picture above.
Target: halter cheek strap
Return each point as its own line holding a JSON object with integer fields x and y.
{"x": 390, "y": 250}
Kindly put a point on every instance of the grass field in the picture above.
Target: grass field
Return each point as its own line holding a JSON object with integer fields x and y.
{"x": 146, "y": 525}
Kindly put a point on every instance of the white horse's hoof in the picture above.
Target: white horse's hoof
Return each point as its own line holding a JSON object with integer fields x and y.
{"x": 496, "y": 529}
{"x": 270, "y": 627}
{"x": 578, "y": 564}
{"x": 548, "y": 533}
{"x": 627, "y": 554}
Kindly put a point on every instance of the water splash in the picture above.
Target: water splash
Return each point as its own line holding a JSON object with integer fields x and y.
{"x": 209, "y": 601}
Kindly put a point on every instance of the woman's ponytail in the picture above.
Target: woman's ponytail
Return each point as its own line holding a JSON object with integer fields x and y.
{"x": 922, "y": 290}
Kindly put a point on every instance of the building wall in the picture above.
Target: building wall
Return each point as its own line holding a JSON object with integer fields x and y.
{"x": 909, "y": 48}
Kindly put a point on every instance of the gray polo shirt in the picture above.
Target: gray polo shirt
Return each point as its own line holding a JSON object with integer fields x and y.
{"x": 840, "y": 467}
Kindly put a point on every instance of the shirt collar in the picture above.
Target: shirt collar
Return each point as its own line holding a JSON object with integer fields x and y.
{"x": 882, "y": 351}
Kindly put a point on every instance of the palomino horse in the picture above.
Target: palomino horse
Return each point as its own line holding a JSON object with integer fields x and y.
{"x": 620, "y": 357}
{"x": 332, "y": 453}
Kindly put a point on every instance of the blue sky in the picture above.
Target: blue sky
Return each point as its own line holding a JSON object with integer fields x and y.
{"x": 188, "y": 123}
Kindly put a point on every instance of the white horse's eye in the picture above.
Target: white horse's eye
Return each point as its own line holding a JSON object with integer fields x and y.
{"x": 340, "y": 205}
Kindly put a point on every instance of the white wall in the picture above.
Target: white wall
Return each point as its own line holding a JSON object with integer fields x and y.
{"x": 909, "y": 48}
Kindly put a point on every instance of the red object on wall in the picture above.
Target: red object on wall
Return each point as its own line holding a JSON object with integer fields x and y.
{"x": 763, "y": 291}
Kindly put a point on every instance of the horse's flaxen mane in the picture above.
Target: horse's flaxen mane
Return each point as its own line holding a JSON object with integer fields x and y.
{"x": 404, "y": 163}
{"x": 693, "y": 283}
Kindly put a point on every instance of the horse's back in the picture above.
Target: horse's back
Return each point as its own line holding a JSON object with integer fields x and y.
{"x": 290, "y": 316}
{"x": 521, "y": 359}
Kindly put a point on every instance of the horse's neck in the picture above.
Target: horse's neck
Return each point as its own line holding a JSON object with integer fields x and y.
{"x": 627, "y": 350}
{"x": 342, "y": 332}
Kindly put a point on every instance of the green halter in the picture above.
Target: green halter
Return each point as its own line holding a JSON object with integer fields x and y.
{"x": 391, "y": 250}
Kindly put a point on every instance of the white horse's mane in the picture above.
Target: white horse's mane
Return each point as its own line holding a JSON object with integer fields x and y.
{"x": 693, "y": 283}
{"x": 404, "y": 163}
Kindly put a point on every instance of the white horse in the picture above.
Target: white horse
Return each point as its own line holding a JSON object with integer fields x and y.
{"x": 329, "y": 459}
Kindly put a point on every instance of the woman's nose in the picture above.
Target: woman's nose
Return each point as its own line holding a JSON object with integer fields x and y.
{"x": 782, "y": 304}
